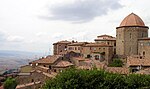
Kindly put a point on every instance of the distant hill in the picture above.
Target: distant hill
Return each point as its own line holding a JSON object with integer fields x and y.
{"x": 14, "y": 59}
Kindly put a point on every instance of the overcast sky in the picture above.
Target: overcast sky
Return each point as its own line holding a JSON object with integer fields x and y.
{"x": 33, "y": 25}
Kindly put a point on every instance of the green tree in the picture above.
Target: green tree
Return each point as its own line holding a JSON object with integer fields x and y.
{"x": 97, "y": 79}
{"x": 10, "y": 83}
{"x": 116, "y": 63}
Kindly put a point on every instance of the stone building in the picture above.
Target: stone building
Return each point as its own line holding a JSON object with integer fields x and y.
{"x": 98, "y": 51}
{"x": 144, "y": 47}
{"x": 127, "y": 34}
{"x": 60, "y": 48}
{"x": 76, "y": 47}
{"x": 108, "y": 40}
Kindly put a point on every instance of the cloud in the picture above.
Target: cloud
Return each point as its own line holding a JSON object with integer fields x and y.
{"x": 15, "y": 39}
{"x": 57, "y": 36}
{"x": 2, "y": 37}
{"x": 39, "y": 34}
{"x": 81, "y": 10}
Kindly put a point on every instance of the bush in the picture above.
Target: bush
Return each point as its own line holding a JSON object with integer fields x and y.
{"x": 97, "y": 79}
{"x": 116, "y": 63}
{"x": 10, "y": 83}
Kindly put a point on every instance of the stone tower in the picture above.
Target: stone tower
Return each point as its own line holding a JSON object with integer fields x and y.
{"x": 127, "y": 34}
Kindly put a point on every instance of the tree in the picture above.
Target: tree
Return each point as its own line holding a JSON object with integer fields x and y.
{"x": 10, "y": 83}
{"x": 116, "y": 63}
{"x": 97, "y": 79}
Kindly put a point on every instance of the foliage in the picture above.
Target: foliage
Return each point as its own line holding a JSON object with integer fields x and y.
{"x": 116, "y": 63}
{"x": 97, "y": 79}
{"x": 10, "y": 83}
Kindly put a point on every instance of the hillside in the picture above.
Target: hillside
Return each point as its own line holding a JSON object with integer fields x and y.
{"x": 15, "y": 59}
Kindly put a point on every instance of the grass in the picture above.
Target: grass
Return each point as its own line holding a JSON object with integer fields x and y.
{"x": 26, "y": 69}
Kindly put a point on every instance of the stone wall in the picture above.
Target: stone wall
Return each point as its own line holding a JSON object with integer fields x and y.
{"x": 127, "y": 39}
{"x": 144, "y": 48}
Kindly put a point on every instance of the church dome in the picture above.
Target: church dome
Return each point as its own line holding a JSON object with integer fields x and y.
{"x": 132, "y": 20}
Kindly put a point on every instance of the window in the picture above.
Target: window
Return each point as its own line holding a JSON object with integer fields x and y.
{"x": 114, "y": 44}
{"x": 75, "y": 48}
{"x": 96, "y": 57}
{"x": 103, "y": 49}
{"x": 108, "y": 43}
{"x": 88, "y": 56}
{"x": 119, "y": 36}
{"x": 78, "y": 48}
{"x": 142, "y": 34}
{"x": 130, "y": 35}
{"x": 65, "y": 46}
{"x": 143, "y": 53}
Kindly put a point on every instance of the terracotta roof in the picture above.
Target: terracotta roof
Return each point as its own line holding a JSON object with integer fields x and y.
{"x": 137, "y": 61}
{"x": 63, "y": 64}
{"x": 119, "y": 70}
{"x": 112, "y": 39}
{"x": 97, "y": 45}
{"x": 78, "y": 44}
{"x": 62, "y": 42}
{"x": 48, "y": 60}
{"x": 109, "y": 36}
{"x": 132, "y": 20}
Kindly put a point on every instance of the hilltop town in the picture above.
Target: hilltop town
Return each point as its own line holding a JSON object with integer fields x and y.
{"x": 131, "y": 46}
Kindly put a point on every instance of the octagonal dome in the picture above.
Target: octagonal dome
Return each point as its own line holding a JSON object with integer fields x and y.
{"x": 132, "y": 20}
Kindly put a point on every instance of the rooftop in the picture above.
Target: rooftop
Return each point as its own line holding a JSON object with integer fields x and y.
{"x": 63, "y": 64}
{"x": 97, "y": 45}
{"x": 137, "y": 61}
{"x": 62, "y": 42}
{"x": 78, "y": 44}
{"x": 132, "y": 20}
{"x": 48, "y": 60}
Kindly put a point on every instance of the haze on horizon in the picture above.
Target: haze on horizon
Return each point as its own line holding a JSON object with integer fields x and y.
{"x": 34, "y": 25}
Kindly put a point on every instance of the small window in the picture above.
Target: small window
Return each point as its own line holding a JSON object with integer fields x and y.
{"x": 75, "y": 48}
{"x": 78, "y": 48}
{"x": 142, "y": 34}
{"x": 108, "y": 43}
{"x": 130, "y": 35}
{"x": 143, "y": 53}
{"x": 114, "y": 44}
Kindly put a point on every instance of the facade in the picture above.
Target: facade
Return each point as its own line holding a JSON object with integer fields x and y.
{"x": 98, "y": 51}
{"x": 76, "y": 47}
{"x": 127, "y": 34}
{"x": 144, "y": 47}
{"x": 60, "y": 48}
{"x": 108, "y": 40}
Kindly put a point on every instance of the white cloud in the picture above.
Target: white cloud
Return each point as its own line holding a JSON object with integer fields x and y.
{"x": 15, "y": 39}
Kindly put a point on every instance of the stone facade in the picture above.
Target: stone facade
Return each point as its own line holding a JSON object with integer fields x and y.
{"x": 108, "y": 40}
{"x": 76, "y": 47}
{"x": 144, "y": 47}
{"x": 127, "y": 39}
{"x": 96, "y": 51}
{"x": 60, "y": 48}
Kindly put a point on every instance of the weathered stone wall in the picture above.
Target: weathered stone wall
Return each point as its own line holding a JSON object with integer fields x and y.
{"x": 144, "y": 48}
{"x": 76, "y": 49}
{"x": 127, "y": 39}
{"x": 98, "y": 50}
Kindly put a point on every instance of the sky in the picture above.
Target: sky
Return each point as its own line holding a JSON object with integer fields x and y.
{"x": 34, "y": 25}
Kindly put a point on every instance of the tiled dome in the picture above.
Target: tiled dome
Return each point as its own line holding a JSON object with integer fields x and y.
{"x": 132, "y": 20}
